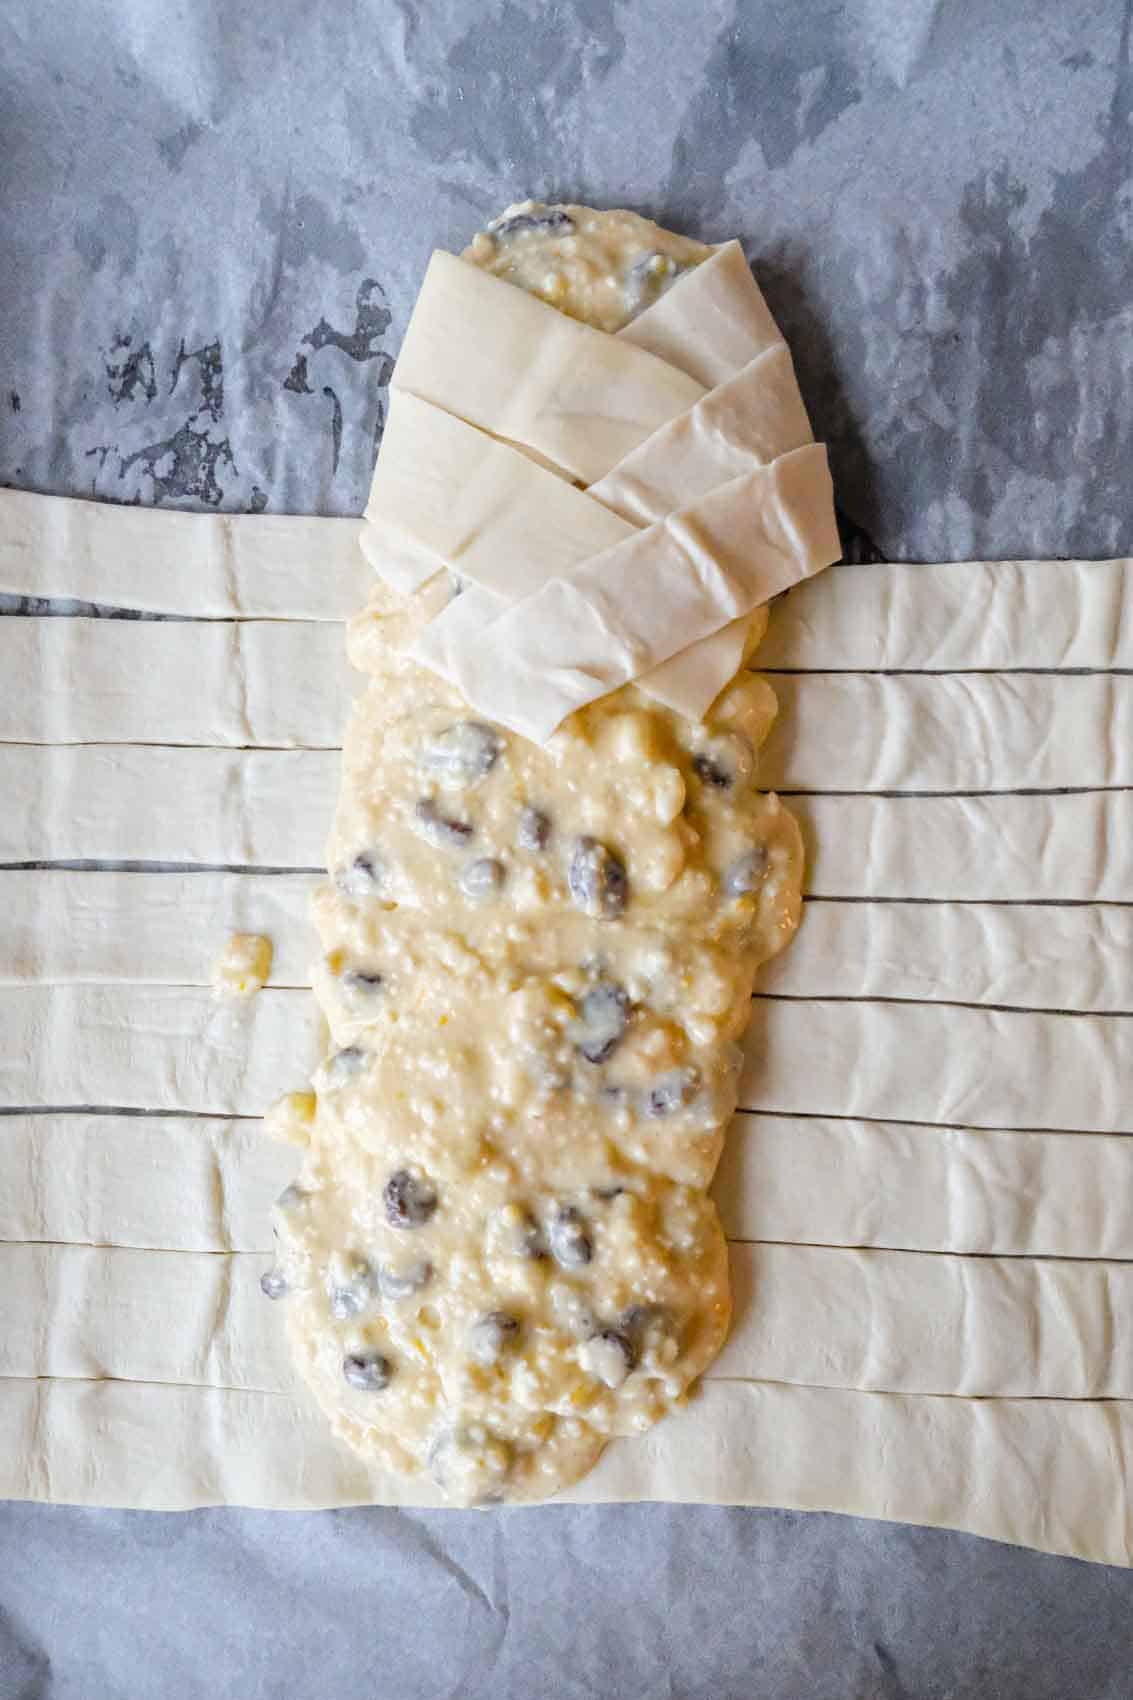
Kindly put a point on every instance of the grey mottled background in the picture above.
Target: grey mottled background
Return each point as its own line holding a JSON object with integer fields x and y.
{"x": 213, "y": 218}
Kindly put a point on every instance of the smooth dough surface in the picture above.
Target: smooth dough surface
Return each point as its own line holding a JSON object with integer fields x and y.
{"x": 939, "y": 1063}
{"x": 836, "y": 1181}
{"x": 174, "y": 1183}
{"x": 958, "y": 615}
{"x": 223, "y": 566}
{"x": 973, "y": 1464}
{"x": 282, "y": 683}
{"x": 153, "y": 1048}
{"x": 1071, "y": 956}
{"x": 956, "y": 732}
{"x": 81, "y": 924}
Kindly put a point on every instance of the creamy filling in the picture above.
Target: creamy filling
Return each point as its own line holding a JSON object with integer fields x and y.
{"x": 538, "y": 961}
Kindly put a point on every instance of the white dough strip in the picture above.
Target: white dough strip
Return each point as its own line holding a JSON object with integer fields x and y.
{"x": 154, "y": 1048}
{"x": 1025, "y": 956}
{"x": 179, "y": 1183}
{"x": 1050, "y": 1474}
{"x": 958, "y": 732}
{"x": 174, "y": 1047}
{"x": 275, "y": 683}
{"x": 939, "y": 1063}
{"x": 222, "y": 566}
{"x": 633, "y": 606}
{"x": 897, "y": 1185}
{"x": 508, "y": 363}
{"x": 970, "y": 849}
{"x": 710, "y": 322}
{"x": 444, "y": 492}
{"x": 165, "y": 929}
{"x": 818, "y": 1316}
{"x": 136, "y": 802}
{"x": 268, "y": 808}
{"x": 958, "y": 615}
{"x": 192, "y": 1183}
{"x": 158, "y": 928}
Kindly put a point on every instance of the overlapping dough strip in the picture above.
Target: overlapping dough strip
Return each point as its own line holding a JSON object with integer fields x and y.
{"x": 1052, "y": 1474}
{"x": 732, "y": 495}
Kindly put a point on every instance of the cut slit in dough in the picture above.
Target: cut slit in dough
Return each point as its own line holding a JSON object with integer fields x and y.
{"x": 972, "y": 1464}
{"x": 185, "y": 1183}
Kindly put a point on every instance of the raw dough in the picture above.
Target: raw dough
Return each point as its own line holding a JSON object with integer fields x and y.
{"x": 940, "y": 1063}
{"x": 153, "y": 1047}
{"x": 1025, "y": 956}
{"x": 146, "y": 803}
{"x": 240, "y": 682}
{"x": 66, "y": 924}
{"x": 964, "y": 732}
{"x": 1052, "y": 1474}
{"x": 963, "y": 615}
{"x": 952, "y": 1189}
{"x": 214, "y": 565}
{"x": 177, "y": 1183}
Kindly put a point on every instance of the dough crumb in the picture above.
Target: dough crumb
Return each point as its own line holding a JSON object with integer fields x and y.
{"x": 243, "y": 966}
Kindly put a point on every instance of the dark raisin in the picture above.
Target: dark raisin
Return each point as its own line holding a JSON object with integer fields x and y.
{"x": 671, "y": 1092}
{"x": 724, "y": 762}
{"x": 361, "y": 877}
{"x": 609, "y": 1356}
{"x": 273, "y": 1284}
{"x": 492, "y": 1335}
{"x": 463, "y": 754}
{"x": 369, "y": 1372}
{"x": 362, "y": 982}
{"x": 597, "y": 880}
{"x": 570, "y": 1243}
{"x": 482, "y": 879}
{"x": 747, "y": 872}
{"x": 409, "y": 1199}
{"x": 440, "y": 829}
{"x": 534, "y": 830}
{"x": 544, "y": 221}
{"x": 345, "y": 1064}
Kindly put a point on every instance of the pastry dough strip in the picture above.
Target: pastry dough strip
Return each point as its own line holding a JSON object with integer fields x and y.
{"x": 958, "y": 615}
{"x": 149, "y": 928}
{"x": 71, "y": 680}
{"x": 220, "y": 566}
{"x": 819, "y": 1316}
{"x": 177, "y": 1047}
{"x": 193, "y": 1183}
{"x": 1051, "y": 1474}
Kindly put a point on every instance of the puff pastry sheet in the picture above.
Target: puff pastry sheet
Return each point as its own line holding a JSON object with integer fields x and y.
{"x": 929, "y": 1191}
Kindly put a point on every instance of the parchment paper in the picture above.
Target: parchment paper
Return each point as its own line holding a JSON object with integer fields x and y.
{"x": 213, "y": 221}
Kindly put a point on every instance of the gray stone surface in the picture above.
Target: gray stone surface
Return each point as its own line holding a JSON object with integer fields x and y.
{"x": 213, "y": 219}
